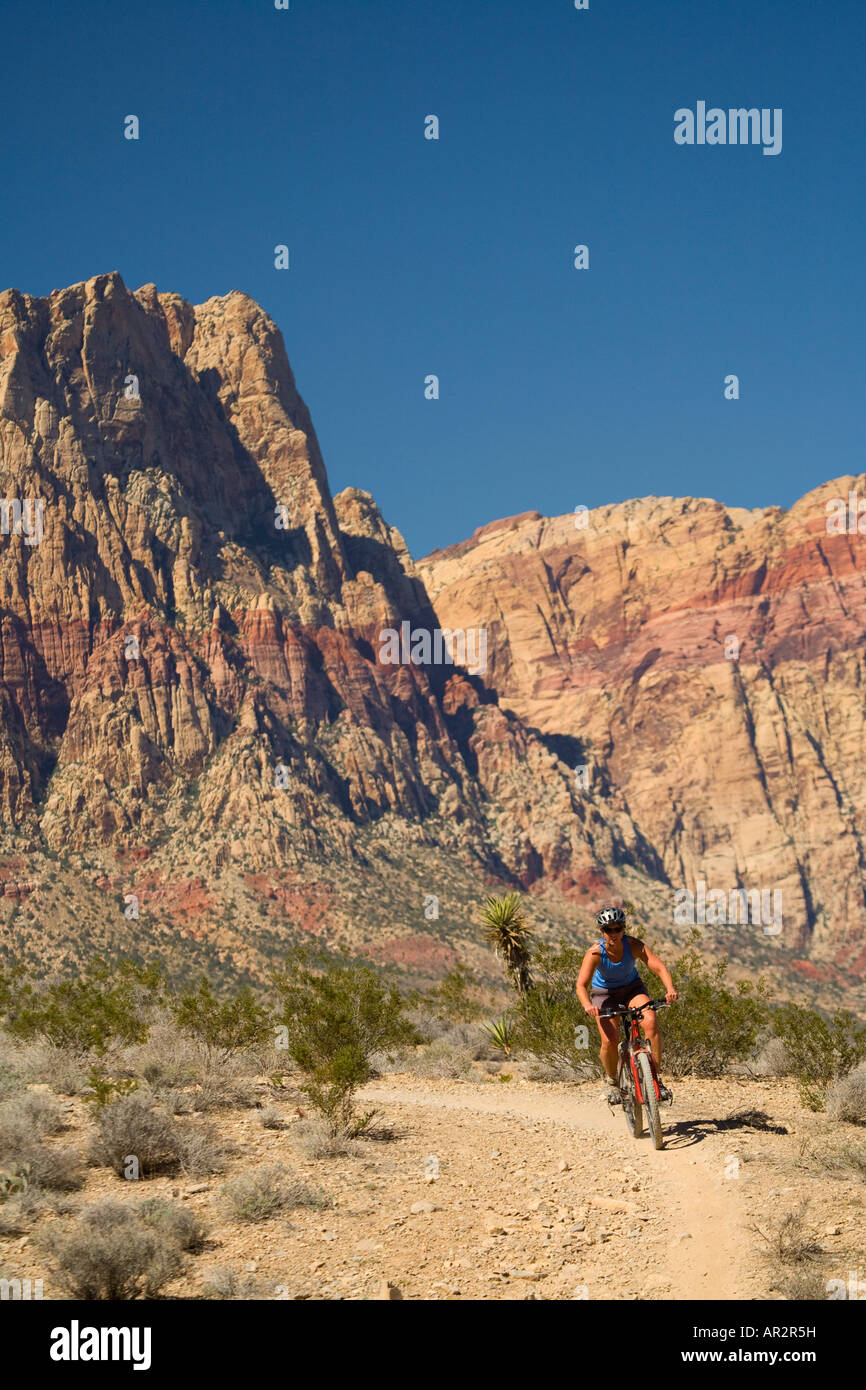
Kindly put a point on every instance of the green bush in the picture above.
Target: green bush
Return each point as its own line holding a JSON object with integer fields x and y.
{"x": 336, "y": 1016}
{"x": 549, "y": 1020}
{"x": 820, "y": 1052}
{"x": 711, "y": 1024}
{"x": 223, "y": 1027}
{"x": 89, "y": 1016}
{"x": 452, "y": 1001}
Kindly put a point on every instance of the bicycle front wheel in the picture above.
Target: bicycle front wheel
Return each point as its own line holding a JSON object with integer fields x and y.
{"x": 651, "y": 1100}
{"x": 630, "y": 1104}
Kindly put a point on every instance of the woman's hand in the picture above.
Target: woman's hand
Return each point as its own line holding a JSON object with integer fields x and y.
{"x": 671, "y": 996}
{"x": 591, "y": 1011}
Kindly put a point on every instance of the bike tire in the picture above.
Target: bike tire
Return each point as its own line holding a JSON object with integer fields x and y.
{"x": 631, "y": 1106}
{"x": 651, "y": 1100}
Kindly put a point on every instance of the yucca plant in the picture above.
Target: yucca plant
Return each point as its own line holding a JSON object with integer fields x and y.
{"x": 507, "y": 931}
{"x": 501, "y": 1034}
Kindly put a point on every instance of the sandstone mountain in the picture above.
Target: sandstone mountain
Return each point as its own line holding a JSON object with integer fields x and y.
{"x": 195, "y": 725}
{"x": 710, "y": 662}
{"x": 202, "y": 756}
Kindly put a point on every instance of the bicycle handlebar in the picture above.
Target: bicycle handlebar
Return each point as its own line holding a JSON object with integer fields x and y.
{"x": 627, "y": 1009}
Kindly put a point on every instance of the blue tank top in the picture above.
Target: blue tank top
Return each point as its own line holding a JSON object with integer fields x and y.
{"x": 615, "y": 974}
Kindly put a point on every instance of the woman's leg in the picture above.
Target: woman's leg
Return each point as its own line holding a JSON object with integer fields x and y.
{"x": 609, "y": 1030}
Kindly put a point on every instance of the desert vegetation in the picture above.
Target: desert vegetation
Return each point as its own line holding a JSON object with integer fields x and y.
{"x": 117, "y": 1083}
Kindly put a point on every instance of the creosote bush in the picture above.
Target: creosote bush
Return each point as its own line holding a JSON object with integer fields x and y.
{"x": 223, "y": 1026}
{"x": 103, "y": 1009}
{"x": 822, "y": 1052}
{"x": 337, "y": 1016}
{"x": 712, "y": 1024}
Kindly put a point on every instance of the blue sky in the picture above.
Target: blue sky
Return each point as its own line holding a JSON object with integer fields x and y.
{"x": 410, "y": 257}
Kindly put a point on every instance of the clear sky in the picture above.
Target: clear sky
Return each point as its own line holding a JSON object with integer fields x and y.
{"x": 408, "y": 257}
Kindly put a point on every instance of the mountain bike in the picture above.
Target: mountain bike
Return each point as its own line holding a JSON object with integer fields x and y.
{"x": 636, "y": 1071}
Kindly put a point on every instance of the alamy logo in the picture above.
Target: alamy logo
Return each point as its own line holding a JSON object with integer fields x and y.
{"x": 20, "y": 1289}
{"x": 847, "y": 520}
{"x": 439, "y": 647}
{"x": 76, "y": 1343}
{"x": 717, "y": 908}
{"x": 22, "y": 518}
{"x": 736, "y": 126}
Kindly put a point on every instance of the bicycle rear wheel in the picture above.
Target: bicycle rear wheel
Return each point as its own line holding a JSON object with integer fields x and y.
{"x": 651, "y": 1101}
{"x": 630, "y": 1104}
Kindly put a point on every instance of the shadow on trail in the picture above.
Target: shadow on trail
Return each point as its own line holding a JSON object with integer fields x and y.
{"x": 687, "y": 1132}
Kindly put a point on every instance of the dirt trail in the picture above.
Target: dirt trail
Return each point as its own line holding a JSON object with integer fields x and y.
{"x": 689, "y": 1193}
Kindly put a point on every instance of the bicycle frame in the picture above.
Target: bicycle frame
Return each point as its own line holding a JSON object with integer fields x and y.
{"x": 632, "y": 1042}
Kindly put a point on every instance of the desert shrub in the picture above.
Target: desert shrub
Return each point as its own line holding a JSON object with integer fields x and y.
{"x": 772, "y": 1059}
{"x": 65, "y": 1072}
{"x": 549, "y": 1021}
{"x": 822, "y": 1051}
{"x": 443, "y": 1059}
{"x": 57, "y": 1169}
{"x": 89, "y": 1016}
{"x": 224, "y": 1093}
{"x": 223, "y": 1027}
{"x": 314, "y": 1139}
{"x": 271, "y": 1118}
{"x": 27, "y": 1162}
{"x": 180, "y": 1225}
{"x": 336, "y": 1017}
{"x": 167, "y": 1059}
{"x": 710, "y": 1025}
{"x": 26, "y": 1118}
{"x": 135, "y": 1127}
{"x": 848, "y": 1160}
{"x": 801, "y": 1284}
{"x": 111, "y": 1253}
{"x": 266, "y": 1191}
{"x": 789, "y": 1240}
{"x": 454, "y": 1000}
{"x": 10, "y": 1081}
{"x": 103, "y": 1089}
{"x": 846, "y": 1098}
{"x": 223, "y": 1283}
{"x": 200, "y": 1151}
{"x": 17, "y": 1212}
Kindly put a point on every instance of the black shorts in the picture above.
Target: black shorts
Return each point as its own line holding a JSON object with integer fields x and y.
{"x": 623, "y": 995}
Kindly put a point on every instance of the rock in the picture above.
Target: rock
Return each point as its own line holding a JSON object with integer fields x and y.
{"x": 423, "y": 1208}
{"x": 563, "y": 1166}
{"x": 526, "y": 1274}
{"x": 654, "y": 658}
{"x": 613, "y": 1204}
{"x": 832, "y": 1230}
{"x": 251, "y": 1266}
{"x": 368, "y": 1247}
{"x": 493, "y": 1224}
{"x": 389, "y": 1292}
{"x": 199, "y": 1187}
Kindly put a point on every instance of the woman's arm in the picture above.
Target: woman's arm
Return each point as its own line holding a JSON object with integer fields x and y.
{"x": 590, "y": 961}
{"x": 657, "y": 966}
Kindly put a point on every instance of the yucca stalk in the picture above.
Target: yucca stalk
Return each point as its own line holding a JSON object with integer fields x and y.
{"x": 507, "y": 931}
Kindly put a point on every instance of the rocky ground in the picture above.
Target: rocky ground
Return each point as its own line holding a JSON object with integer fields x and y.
{"x": 495, "y": 1188}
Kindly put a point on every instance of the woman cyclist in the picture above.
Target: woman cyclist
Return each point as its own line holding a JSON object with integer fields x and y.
{"x": 610, "y": 964}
